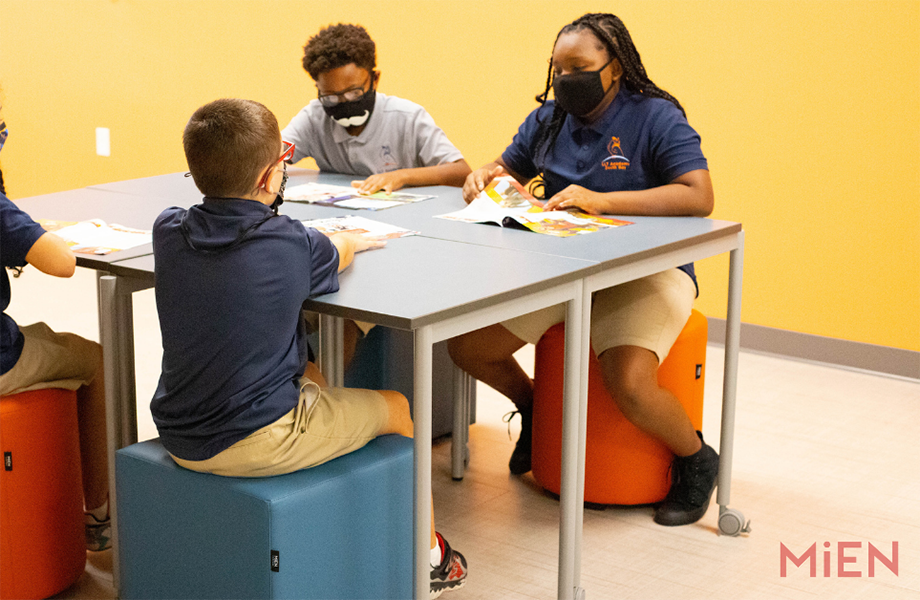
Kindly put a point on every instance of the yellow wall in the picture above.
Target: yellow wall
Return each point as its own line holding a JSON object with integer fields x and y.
{"x": 809, "y": 113}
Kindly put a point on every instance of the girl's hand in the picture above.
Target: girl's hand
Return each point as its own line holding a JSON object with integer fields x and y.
{"x": 388, "y": 182}
{"x": 576, "y": 196}
{"x": 479, "y": 179}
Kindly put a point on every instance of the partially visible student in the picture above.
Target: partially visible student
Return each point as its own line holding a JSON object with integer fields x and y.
{"x": 4, "y": 133}
{"x": 237, "y": 396}
{"x": 354, "y": 129}
{"x": 35, "y": 357}
{"x": 611, "y": 142}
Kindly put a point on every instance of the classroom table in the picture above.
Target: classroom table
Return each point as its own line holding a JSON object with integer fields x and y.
{"x": 454, "y": 278}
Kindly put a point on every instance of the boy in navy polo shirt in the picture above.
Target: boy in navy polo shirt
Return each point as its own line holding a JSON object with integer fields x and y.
{"x": 35, "y": 357}
{"x": 237, "y": 396}
{"x": 354, "y": 129}
{"x": 610, "y": 142}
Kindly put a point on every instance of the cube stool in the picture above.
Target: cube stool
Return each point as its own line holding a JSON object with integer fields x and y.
{"x": 623, "y": 465}
{"x": 342, "y": 529}
{"x": 42, "y": 540}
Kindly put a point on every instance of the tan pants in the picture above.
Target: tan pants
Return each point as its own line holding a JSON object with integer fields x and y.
{"x": 649, "y": 313}
{"x": 325, "y": 424}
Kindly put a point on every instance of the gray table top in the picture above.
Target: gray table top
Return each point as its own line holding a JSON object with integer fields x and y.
{"x": 464, "y": 264}
{"x": 88, "y": 203}
{"x": 415, "y": 281}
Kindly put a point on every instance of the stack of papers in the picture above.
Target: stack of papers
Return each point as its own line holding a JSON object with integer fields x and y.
{"x": 96, "y": 237}
{"x": 360, "y": 226}
{"x": 348, "y": 197}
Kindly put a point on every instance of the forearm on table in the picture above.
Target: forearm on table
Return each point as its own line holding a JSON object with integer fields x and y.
{"x": 453, "y": 173}
{"x": 689, "y": 195}
{"x": 346, "y": 249}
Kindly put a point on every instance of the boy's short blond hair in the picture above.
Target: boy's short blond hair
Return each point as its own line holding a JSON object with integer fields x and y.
{"x": 228, "y": 143}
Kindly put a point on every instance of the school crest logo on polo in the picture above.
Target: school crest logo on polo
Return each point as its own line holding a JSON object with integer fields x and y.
{"x": 389, "y": 161}
{"x": 615, "y": 160}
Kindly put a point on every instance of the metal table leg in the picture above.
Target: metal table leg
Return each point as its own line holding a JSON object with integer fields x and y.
{"x": 571, "y": 496}
{"x": 116, "y": 333}
{"x": 422, "y": 412}
{"x": 331, "y": 360}
{"x": 731, "y": 522}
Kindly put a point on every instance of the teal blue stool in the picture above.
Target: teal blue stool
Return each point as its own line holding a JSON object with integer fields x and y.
{"x": 339, "y": 530}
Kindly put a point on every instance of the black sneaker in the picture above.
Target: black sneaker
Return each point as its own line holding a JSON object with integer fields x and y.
{"x": 451, "y": 573}
{"x": 520, "y": 458}
{"x": 692, "y": 480}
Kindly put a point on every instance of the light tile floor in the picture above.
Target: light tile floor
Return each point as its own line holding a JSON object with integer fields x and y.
{"x": 822, "y": 454}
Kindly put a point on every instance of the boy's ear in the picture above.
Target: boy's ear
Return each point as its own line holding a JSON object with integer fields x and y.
{"x": 270, "y": 182}
{"x": 376, "y": 80}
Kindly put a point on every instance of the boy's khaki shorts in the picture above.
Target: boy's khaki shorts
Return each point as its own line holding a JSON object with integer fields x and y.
{"x": 325, "y": 424}
{"x": 649, "y": 313}
{"x": 51, "y": 359}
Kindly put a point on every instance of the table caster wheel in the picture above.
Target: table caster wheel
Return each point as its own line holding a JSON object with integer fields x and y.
{"x": 731, "y": 522}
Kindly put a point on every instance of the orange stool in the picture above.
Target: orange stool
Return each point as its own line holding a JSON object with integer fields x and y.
{"x": 623, "y": 465}
{"x": 42, "y": 540}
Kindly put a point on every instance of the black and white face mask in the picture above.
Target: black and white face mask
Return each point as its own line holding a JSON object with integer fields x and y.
{"x": 580, "y": 93}
{"x": 354, "y": 113}
{"x": 279, "y": 199}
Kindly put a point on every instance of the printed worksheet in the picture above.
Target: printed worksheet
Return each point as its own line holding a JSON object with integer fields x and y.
{"x": 348, "y": 197}
{"x": 359, "y": 225}
{"x": 96, "y": 236}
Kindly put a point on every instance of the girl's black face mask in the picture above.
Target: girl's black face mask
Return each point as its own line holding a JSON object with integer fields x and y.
{"x": 580, "y": 93}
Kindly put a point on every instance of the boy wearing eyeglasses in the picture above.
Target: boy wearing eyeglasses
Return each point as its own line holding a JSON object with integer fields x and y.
{"x": 237, "y": 396}
{"x": 354, "y": 129}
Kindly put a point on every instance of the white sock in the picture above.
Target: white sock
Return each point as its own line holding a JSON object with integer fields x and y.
{"x": 101, "y": 513}
{"x": 435, "y": 556}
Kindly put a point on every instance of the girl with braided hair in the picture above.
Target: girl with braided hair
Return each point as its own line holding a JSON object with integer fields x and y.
{"x": 610, "y": 142}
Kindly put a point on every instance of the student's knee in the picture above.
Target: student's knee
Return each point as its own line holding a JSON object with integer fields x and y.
{"x": 460, "y": 349}
{"x": 630, "y": 375}
{"x": 399, "y": 420}
{"x": 487, "y": 345}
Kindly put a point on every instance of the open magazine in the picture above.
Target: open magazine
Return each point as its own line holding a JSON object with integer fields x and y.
{"x": 368, "y": 228}
{"x": 505, "y": 202}
{"x": 348, "y": 197}
{"x": 95, "y": 236}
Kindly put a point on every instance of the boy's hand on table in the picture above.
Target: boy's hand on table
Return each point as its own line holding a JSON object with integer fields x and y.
{"x": 479, "y": 179}
{"x": 575, "y": 196}
{"x": 359, "y": 243}
{"x": 388, "y": 182}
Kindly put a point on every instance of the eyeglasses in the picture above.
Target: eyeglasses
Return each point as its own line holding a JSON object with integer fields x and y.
{"x": 286, "y": 155}
{"x": 330, "y": 100}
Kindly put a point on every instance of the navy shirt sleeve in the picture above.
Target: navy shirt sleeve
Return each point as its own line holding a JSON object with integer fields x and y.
{"x": 519, "y": 155}
{"x": 675, "y": 144}
{"x": 325, "y": 263}
{"x": 18, "y": 233}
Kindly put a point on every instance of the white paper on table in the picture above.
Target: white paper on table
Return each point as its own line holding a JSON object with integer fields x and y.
{"x": 97, "y": 237}
{"x": 360, "y": 226}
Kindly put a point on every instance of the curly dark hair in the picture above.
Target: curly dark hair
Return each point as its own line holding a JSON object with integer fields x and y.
{"x": 612, "y": 33}
{"x": 338, "y": 45}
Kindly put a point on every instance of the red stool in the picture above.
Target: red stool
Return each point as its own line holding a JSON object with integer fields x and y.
{"x": 42, "y": 540}
{"x": 622, "y": 464}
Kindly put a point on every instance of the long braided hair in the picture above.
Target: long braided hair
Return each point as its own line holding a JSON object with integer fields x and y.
{"x": 611, "y": 31}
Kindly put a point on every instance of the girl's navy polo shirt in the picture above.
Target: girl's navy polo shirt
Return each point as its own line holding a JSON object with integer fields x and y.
{"x": 18, "y": 233}
{"x": 638, "y": 143}
{"x": 230, "y": 281}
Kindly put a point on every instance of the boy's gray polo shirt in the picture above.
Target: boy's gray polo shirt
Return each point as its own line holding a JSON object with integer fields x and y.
{"x": 399, "y": 135}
